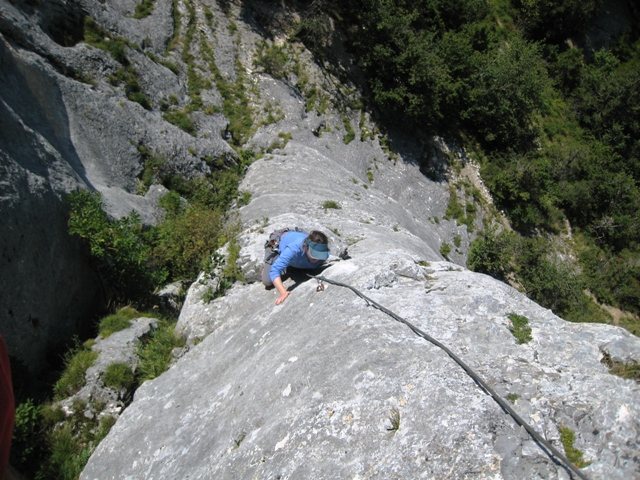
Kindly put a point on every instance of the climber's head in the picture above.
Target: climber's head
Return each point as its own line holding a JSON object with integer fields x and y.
{"x": 316, "y": 246}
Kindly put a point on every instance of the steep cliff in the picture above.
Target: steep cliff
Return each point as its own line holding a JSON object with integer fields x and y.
{"x": 322, "y": 386}
{"x": 67, "y": 121}
{"x": 325, "y": 387}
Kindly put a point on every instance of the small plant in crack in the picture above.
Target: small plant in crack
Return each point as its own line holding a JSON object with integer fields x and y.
{"x": 394, "y": 420}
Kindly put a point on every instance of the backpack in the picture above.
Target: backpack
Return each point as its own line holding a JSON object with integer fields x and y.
{"x": 271, "y": 250}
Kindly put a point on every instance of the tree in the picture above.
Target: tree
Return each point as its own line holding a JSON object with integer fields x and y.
{"x": 506, "y": 90}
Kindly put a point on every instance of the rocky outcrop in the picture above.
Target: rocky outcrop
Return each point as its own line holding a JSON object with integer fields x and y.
{"x": 323, "y": 386}
{"x": 64, "y": 125}
{"x": 119, "y": 348}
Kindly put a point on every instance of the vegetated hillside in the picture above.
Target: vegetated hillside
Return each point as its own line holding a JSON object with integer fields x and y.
{"x": 546, "y": 96}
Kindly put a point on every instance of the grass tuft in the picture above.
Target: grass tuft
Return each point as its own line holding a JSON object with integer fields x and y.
{"x": 76, "y": 362}
{"x": 625, "y": 370}
{"x": 575, "y": 456}
{"x": 520, "y": 328}
{"x": 119, "y": 376}
{"x": 117, "y": 321}
{"x": 155, "y": 351}
{"x": 394, "y": 420}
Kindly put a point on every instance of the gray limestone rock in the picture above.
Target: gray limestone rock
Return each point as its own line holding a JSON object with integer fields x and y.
{"x": 64, "y": 126}
{"x": 310, "y": 388}
{"x": 118, "y": 348}
{"x": 325, "y": 387}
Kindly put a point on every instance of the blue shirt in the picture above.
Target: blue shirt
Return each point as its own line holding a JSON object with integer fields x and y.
{"x": 292, "y": 254}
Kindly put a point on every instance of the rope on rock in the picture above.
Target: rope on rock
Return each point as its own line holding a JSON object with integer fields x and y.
{"x": 549, "y": 449}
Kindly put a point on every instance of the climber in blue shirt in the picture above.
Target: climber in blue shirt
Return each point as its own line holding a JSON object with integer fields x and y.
{"x": 288, "y": 248}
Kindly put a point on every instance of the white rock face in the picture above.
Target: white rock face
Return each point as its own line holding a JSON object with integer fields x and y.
{"x": 325, "y": 387}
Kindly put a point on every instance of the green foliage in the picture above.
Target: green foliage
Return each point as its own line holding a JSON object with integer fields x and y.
{"x": 28, "y": 446}
{"x": 350, "y": 134}
{"x": 177, "y": 19}
{"x": 554, "y": 21}
{"x": 575, "y": 456}
{"x": 274, "y": 60}
{"x": 507, "y": 90}
{"x": 155, "y": 351}
{"x": 97, "y": 37}
{"x": 442, "y": 65}
{"x": 48, "y": 444}
{"x": 630, "y": 323}
{"x": 445, "y": 249}
{"x": 71, "y": 443}
{"x": 236, "y": 105}
{"x": 232, "y": 271}
{"x": 76, "y": 363}
{"x": 152, "y": 165}
{"x": 117, "y": 321}
{"x": 491, "y": 253}
{"x": 144, "y": 9}
{"x": 394, "y": 420}
{"x": 128, "y": 75}
{"x": 463, "y": 214}
{"x": 244, "y": 199}
{"x": 283, "y": 140}
{"x": 607, "y": 101}
{"x": 180, "y": 119}
{"x": 520, "y": 328}
{"x": 120, "y": 248}
{"x": 530, "y": 262}
{"x": 331, "y": 204}
{"x": 370, "y": 175}
{"x": 69, "y": 454}
{"x": 513, "y": 397}
{"x": 185, "y": 240}
{"x": 614, "y": 278}
{"x": 119, "y": 376}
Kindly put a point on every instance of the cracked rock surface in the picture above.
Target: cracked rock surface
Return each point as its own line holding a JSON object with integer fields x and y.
{"x": 325, "y": 387}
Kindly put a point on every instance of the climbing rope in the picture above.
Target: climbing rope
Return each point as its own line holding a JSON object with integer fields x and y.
{"x": 549, "y": 449}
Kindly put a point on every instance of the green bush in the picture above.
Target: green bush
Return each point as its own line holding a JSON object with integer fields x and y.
{"x": 492, "y": 253}
{"x": 185, "y": 241}
{"x": 68, "y": 456}
{"x": 152, "y": 166}
{"x": 120, "y": 247}
{"x": 463, "y": 214}
{"x": 350, "y": 134}
{"x": 132, "y": 89}
{"x": 445, "y": 249}
{"x": 28, "y": 446}
{"x": 236, "y": 105}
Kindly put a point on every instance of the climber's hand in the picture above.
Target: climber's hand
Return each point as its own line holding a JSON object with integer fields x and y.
{"x": 282, "y": 298}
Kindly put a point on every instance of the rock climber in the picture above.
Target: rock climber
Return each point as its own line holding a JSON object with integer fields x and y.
{"x": 292, "y": 248}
